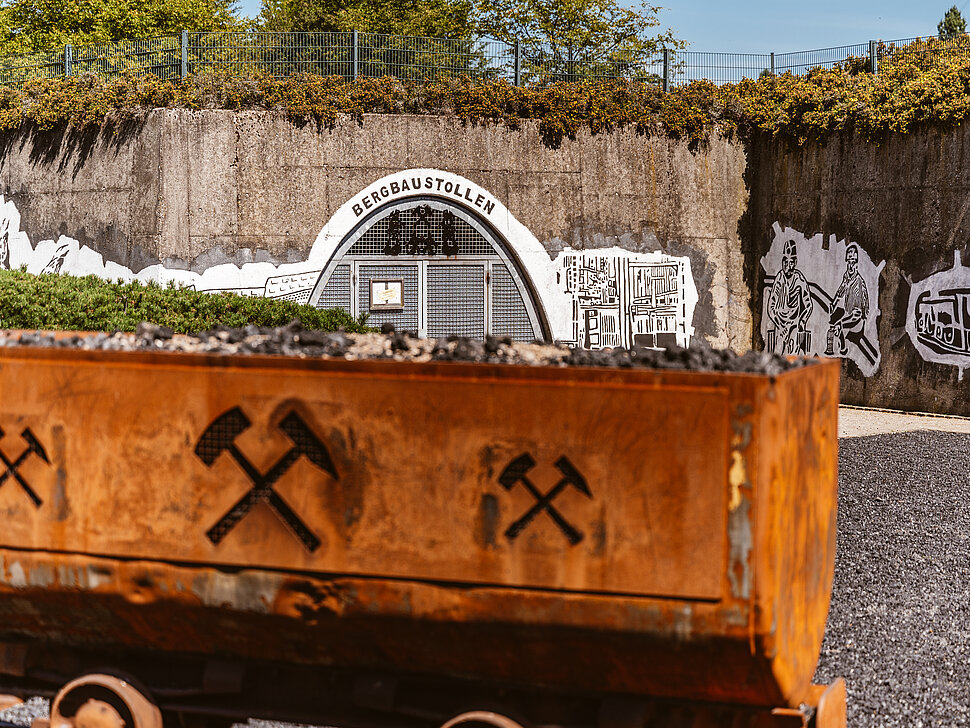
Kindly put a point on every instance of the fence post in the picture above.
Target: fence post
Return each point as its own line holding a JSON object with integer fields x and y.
{"x": 772, "y": 64}
{"x": 185, "y": 53}
{"x": 356, "y": 55}
{"x": 873, "y": 58}
{"x": 68, "y": 60}
{"x": 667, "y": 70}
{"x": 517, "y": 77}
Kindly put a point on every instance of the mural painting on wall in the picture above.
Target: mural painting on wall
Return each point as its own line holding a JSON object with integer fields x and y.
{"x": 821, "y": 298}
{"x": 595, "y": 298}
{"x": 627, "y": 299}
{"x": 938, "y": 316}
{"x": 291, "y": 281}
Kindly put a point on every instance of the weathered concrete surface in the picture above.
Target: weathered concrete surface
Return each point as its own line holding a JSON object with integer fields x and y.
{"x": 907, "y": 201}
{"x": 196, "y": 188}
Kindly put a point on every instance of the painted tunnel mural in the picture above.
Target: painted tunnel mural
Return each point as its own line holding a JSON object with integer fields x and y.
{"x": 624, "y": 299}
{"x": 938, "y": 316}
{"x": 432, "y": 252}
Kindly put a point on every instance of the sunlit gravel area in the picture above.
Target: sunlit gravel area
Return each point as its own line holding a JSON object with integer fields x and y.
{"x": 899, "y": 624}
{"x": 23, "y": 714}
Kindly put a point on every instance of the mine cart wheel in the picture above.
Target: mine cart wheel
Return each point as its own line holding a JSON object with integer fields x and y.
{"x": 482, "y": 719}
{"x": 103, "y": 701}
{"x": 831, "y": 712}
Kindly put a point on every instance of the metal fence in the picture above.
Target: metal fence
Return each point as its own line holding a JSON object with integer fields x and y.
{"x": 370, "y": 55}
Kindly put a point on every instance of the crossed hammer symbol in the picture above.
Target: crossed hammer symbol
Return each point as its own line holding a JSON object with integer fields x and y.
{"x": 515, "y": 472}
{"x": 220, "y": 437}
{"x": 13, "y": 468}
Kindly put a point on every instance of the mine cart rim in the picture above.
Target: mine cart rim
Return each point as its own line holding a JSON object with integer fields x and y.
{"x": 387, "y": 367}
{"x": 483, "y": 718}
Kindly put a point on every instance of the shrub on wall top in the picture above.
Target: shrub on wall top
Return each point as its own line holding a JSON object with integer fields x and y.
{"x": 923, "y": 83}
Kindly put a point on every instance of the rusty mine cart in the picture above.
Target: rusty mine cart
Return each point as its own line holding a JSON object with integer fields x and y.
{"x": 197, "y": 538}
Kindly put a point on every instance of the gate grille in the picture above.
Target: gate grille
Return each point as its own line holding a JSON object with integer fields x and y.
{"x": 456, "y": 300}
{"x": 374, "y": 241}
{"x": 509, "y": 314}
{"x": 336, "y": 294}
{"x": 471, "y": 291}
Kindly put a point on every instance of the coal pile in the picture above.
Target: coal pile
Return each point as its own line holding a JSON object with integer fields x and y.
{"x": 294, "y": 340}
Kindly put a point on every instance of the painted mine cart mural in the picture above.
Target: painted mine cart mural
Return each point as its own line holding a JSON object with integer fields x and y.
{"x": 938, "y": 316}
{"x": 821, "y": 298}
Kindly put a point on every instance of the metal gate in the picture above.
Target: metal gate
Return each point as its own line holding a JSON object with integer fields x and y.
{"x": 430, "y": 267}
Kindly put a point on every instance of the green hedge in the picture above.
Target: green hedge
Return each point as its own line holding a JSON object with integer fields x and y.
{"x": 91, "y": 304}
{"x": 922, "y": 84}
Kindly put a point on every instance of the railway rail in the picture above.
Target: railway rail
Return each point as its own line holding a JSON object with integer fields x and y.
{"x": 208, "y": 537}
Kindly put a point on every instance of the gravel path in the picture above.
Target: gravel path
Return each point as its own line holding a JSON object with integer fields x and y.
{"x": 899, "y": 624}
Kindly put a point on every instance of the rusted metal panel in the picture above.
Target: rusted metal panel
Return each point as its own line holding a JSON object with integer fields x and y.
{"x": 661, "y": 533}
{"x": 443, "y": 478}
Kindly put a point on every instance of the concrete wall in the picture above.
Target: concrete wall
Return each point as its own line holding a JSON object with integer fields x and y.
{"x": 194, "y": 189}
{"x": 843, "y": 249}
{"x": 904, "y": 203}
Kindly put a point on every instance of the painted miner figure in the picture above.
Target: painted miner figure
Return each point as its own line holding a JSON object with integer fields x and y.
{"x": 790, "y": 305}
{"x": 850, "y": 306}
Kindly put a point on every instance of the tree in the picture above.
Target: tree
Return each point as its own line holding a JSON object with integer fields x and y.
{"x": 432, "y": 18}
{"x": 28, "y": 26}
{"x": 578, "y": 37}
{"x": 952, "y": 24}
{"x": 412, "y": 51}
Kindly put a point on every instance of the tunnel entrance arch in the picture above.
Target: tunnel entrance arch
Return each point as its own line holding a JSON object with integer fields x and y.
{"x": 430, "y": 265}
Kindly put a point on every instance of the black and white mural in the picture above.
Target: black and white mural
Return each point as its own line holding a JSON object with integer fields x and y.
{"x": 627, "y": 299}
{"x": 592, "y": 298}
{"x": 938, "y": 316}
{"x": 821, "y": 297}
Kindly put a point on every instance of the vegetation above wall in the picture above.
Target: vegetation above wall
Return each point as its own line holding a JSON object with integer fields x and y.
{"x": 90, "y": 304}
{"x": 913, "y": 88}
{"x": 32, "y": 26}
{"x": 439, "y": 18}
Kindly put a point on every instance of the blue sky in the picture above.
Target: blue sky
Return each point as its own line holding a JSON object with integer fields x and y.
{"x": 764, "y": 26}
{"x": 777, "y": 26}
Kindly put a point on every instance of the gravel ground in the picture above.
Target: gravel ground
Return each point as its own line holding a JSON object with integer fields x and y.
{"x": 23, "y": 714}
{"x": 899, "y": 624}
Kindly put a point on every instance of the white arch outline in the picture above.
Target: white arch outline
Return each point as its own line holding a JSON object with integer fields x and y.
{"x": 533, "y": 260}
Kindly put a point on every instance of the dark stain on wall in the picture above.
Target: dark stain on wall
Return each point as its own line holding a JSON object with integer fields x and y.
{"x": 754, "y": 240}
{"x": 85, "y": 162}
{"x": 67, "y": 148}
{"x": 703, "y": 271}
